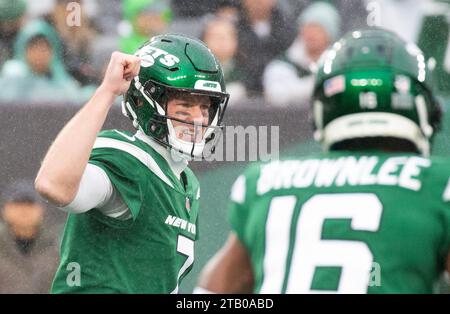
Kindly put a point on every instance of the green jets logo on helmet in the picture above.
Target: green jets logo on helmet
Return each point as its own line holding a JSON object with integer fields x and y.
{"x": 373, "y": 84}
{"x": 175, "y": 63}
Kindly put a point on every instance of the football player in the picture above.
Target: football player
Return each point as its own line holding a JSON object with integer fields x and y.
{"x": 132, "y": 201}
{"x": 372, "y": 213}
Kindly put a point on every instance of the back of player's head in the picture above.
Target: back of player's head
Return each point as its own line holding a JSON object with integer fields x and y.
{"x": 373, "y": 85}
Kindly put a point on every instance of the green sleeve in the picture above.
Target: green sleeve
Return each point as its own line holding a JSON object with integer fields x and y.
{"x": 447, "y": 221}
{"x": 124, "y": 175}
{"x": 439, "y": 181}
{"x": 241, "y": 196}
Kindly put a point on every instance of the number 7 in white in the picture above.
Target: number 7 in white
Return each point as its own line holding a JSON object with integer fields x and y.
{"x": 185, "y": 246}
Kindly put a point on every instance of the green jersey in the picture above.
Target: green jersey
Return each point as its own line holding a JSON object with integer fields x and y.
{"x": 374, "y": 223}
{"x": 148, "y": 253}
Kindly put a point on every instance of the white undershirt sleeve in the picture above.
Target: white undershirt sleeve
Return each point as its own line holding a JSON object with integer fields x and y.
{"x": 97, "y": 191}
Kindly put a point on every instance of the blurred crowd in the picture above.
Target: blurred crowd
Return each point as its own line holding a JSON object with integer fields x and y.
{"x": 29, "y": 242}
{"x": 56, "y": 50}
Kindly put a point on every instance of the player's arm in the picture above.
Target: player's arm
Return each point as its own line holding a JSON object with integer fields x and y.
{"x": 97, "y": 191}
{"x": 61, "y": 171}
{"x": 229, "y": 271}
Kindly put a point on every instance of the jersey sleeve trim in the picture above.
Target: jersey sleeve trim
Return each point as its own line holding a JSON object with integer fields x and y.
{"x": 238, "y": 190}
{"x": 144, "y": 157}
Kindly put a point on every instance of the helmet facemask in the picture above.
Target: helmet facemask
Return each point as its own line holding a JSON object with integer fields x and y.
{"x": 189, "y": 139}
{"x": 175, "y": 66}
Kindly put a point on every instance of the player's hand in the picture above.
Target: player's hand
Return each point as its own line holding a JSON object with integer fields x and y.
{"x": 122, "y": 68}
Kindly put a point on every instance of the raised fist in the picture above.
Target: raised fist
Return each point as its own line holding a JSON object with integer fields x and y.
{"x": 122, "y": 68}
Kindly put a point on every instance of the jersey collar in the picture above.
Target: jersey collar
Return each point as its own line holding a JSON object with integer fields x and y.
{"x": 177, "y": 164}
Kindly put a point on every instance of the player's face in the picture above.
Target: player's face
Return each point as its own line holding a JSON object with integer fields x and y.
{"x": 189, "y": 108}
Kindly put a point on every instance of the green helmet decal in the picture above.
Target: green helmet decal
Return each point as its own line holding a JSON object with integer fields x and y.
{"x": 373, "y": 84}
{"x": 175, "y": 64}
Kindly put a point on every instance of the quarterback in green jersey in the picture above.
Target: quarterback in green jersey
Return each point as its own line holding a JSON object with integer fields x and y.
{"x": 369, "y": 215}
{"x": 132, "y": 201}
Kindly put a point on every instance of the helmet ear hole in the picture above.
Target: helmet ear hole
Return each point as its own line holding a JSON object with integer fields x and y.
{"x": 153, "y": 90}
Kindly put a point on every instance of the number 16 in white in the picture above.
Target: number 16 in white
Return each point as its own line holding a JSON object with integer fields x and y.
{"x": 310, "y": 251}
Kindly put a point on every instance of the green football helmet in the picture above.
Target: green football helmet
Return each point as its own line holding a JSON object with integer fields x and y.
{"x": 372, "y": 84}
{"x": 175, "y": 64}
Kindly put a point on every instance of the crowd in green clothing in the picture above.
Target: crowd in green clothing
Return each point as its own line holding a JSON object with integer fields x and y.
{"x": 272, "y": 55}
{"x": 32, "y": 60}
{"x": 37, "y": 71}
